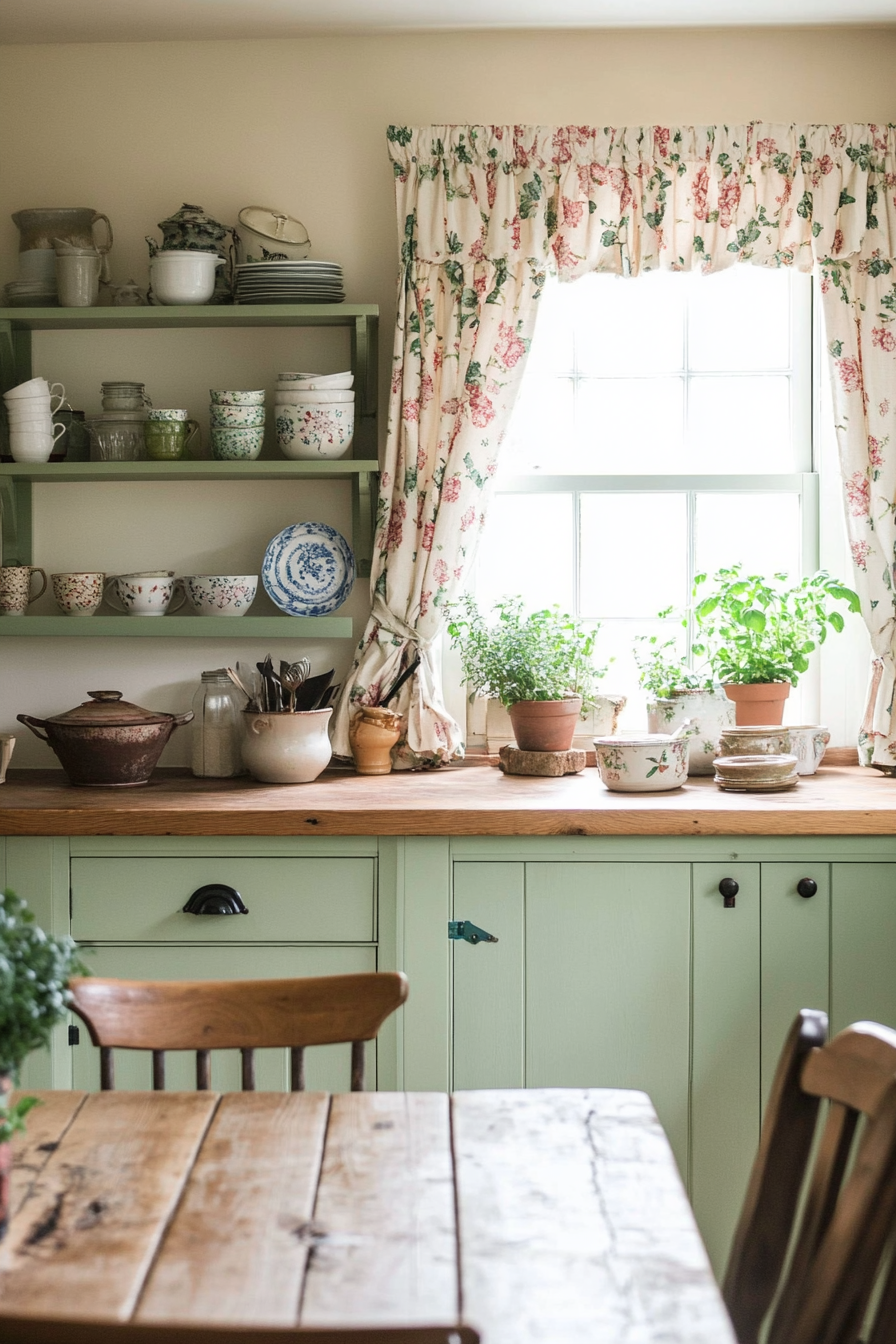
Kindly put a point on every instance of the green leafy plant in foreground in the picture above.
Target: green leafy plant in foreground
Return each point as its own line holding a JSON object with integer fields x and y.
{"x": 35, "y": 968}
{"x": 545, "y": 655}
{"x": 755, "y": 630}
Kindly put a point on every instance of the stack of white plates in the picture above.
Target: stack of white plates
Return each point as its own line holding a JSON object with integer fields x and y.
{"x": 289, "y": 282}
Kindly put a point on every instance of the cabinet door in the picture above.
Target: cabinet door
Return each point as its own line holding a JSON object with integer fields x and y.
{"x": 488, "y": 977}
{"x": 863, "y": 943}
{"x": 328, "y": 1068}
{"x": 726, "y": 1049}
{"x": 607, "y": 982}
{"x": 795, "y": 942}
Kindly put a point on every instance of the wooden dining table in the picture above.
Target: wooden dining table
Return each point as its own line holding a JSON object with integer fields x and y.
{"x": 543, "y": 1215}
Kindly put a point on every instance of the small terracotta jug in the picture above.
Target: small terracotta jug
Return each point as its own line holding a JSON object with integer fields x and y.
{"x": 373, "y": 733}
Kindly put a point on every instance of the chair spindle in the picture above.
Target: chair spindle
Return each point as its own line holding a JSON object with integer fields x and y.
{"x": 297, "y": 1069}
{"x": 357, "y": 1066}
{"x": 248, "y": 1069}
{"x": 158, "y": 1070}
{"x": 107, "y": 1069}
{"x": 203, "y": 1070}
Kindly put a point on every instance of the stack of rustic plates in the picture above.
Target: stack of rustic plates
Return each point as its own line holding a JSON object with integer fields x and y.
{"x": 756, "y": 774}
{"x": 288, "y": 282}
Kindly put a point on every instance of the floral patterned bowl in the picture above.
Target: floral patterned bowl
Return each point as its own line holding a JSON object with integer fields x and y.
{"x": 229, "y": 445}
{"x": 225, "y": 397}
{"x": 235, "y": 417}
{"x": 642, "y": 762}
{"x": 308, "y": 432}
{"x": 221, "y": 594}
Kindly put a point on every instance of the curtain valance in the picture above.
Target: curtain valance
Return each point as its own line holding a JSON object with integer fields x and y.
{"x": 640, "y": 198}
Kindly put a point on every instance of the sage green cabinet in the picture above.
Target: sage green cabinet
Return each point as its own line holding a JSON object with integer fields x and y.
{"x": 863, "y": 943}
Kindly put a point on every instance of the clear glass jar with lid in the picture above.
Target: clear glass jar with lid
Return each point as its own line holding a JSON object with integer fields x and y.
{"x": 217, "y": 727}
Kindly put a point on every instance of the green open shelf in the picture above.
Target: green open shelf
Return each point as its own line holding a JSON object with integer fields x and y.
{"x": 174, "y": 627}
{"x": 282, "y": 469}
{"x": 188, "y": 315}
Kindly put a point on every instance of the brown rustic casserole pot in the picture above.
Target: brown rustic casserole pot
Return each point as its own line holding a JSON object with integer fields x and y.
{"x": 107, "y": 741}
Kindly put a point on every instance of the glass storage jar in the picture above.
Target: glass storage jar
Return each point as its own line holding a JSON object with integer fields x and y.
{"x": 217, "y": 727}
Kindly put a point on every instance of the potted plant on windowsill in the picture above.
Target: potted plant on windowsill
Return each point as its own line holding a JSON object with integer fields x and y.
{"x": 757, "y": 634}
{"x": 34, "y": 972}
{"x": 540, "y": 666}
{"x": 679, "y": 694}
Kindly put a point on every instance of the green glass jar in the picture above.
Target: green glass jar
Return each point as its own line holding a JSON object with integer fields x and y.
{"x": 169, "y": 440}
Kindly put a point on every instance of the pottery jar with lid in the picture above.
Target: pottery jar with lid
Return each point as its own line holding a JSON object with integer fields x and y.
{"x": 107, "y": 741}
{"x": 190, "y": 229}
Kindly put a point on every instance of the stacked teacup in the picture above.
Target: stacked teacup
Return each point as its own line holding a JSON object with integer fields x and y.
{"x": 29, "y": 412}
{"x": 315, "y": 414}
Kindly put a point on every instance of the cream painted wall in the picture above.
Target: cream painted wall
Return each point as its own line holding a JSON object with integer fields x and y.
{"x": 136, "y": 129}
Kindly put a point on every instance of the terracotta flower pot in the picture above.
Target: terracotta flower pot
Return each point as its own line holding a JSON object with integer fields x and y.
{"x": 545, "y": 725}
{"x": 760, "y": 703}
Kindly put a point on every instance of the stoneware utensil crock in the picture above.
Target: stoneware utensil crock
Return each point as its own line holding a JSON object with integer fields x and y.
{"x": 287, "y": 748}
{"x": 107, "y": 741}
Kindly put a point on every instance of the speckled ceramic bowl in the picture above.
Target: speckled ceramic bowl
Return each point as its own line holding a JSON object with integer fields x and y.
{"x": 306, "y": 433}
{"x": 235, "y": 417}
{"x": 221, "y": 594}
{"x": 229, "y": 445}
{"x": 168, "y": 414}
{"x": 225, "y": 397}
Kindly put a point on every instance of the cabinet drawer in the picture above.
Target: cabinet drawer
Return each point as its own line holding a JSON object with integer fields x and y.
{"x": 289, "y": 900}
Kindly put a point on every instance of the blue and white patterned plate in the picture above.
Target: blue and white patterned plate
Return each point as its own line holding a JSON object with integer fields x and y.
{"x": 308, "y": 569}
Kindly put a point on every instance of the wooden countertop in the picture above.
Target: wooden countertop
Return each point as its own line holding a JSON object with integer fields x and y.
{"x": 458, "y": 800}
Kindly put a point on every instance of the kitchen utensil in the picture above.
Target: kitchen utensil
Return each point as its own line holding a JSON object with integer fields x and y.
{"x": 400, "y": 680}
{"x": 106, "y": 740}
{"x": 78, "y": 594}
{"x": 313, "y": 692}
{"x": 221, "y": 594}
{"x": 308, "y": 569}
{"x": 292, "y": 675}
{"x": 15, "y": 588}
{"x": 287, "y": 748}
{"x": 642, "y": 762}
{"x": 248, "y": 692}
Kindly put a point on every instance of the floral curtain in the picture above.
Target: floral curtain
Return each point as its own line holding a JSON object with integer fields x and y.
{"x": 482, "y": 211}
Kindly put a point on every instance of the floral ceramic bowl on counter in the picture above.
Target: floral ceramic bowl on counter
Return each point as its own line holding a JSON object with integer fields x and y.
{"x": 642, "y": 762}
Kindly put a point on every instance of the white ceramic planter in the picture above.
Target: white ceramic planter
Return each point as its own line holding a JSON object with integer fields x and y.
{"x": 287, "y": 748}
{"x": 709, "y": 712}
{"x": 808, "y": 742}
{"x": 643, "y": 762}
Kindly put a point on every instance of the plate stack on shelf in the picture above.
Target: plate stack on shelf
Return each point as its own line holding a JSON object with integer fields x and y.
{"x": 288, "y": 282}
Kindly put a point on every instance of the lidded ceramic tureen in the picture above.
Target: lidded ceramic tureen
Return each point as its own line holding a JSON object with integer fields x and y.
{"x": 106, "y": 740}
{"x": 190, "y": 229}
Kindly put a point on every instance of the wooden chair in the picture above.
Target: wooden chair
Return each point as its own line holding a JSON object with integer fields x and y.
{"x": 206, "y": 1015}
{"x": 807, "y": 1251}
{"x": 27, "y": 1330}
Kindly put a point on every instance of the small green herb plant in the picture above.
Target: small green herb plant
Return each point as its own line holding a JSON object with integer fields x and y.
{"x": 755, "y": 630}
{"x": 545, "y": 655}
{"x": 35, "y": 968}
{"x": 661, "y": 668}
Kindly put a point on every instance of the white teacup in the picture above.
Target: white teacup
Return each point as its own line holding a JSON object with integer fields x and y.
{"x": 39, "y": 401}
{"x": 33, "y": 445}
{"x": 33, "y": 388}
{"x": 7, "y": 746}
{"x": 78, "y": 594}
{"x": 808, "y": 742}
{"x": 147, "y": 594}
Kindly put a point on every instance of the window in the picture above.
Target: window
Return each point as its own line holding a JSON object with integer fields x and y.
{"x": 664, "y": 428}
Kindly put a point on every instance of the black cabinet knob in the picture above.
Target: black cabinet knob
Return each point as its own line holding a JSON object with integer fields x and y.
{"x": 729, "y": 889}
{"x": 215, "y": 899}
{"x": 807, "y": 886}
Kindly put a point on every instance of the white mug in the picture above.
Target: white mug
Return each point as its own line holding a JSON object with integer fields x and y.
{"x": 30, "y": 445}
{"x": 78, "y": 279}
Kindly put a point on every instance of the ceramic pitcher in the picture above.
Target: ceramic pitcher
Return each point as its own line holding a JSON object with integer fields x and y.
{"x": 710, "y": 711}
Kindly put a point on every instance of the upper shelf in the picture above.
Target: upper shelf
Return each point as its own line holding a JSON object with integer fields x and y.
{"x": 281, "y": 469}
{"x": 189, "y": 315}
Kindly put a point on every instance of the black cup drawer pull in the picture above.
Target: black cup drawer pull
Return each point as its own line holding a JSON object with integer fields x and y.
{"x": 215, "y": 899}
{"x": 729, "y": 889}
{"x": 807, "y": 886}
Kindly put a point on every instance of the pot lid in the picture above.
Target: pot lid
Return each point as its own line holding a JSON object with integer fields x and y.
{"x": 192, "y": 215}
{"x": 274, "y": 224}
{"x": 106, "y": 709}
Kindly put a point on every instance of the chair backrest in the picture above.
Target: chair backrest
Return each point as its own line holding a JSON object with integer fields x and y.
{"x": 206, "y": 1015}
{"x": 809, "y": 1247}
{"x": 28, "y": 1330}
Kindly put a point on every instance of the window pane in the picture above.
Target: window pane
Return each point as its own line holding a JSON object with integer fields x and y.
{"x": 629, "y": 426}
{"x": 553, "y": 341}
{"x": 740, "y": 425}
{"x": 760, "y": 531}
{"x": 625, "y": 326}
{"x": 634, "y": 552}
{"x": 541, "y": 434}
{"x": 528, "y": 547}
{"x": 739, "y": 319}
{"x": 616, "y": 640}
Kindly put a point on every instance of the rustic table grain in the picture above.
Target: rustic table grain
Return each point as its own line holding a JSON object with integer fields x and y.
{"x": 534, "y": 1215}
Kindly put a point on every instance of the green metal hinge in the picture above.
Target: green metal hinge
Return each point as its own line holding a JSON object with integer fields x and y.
{"x": 471, "y": 933}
